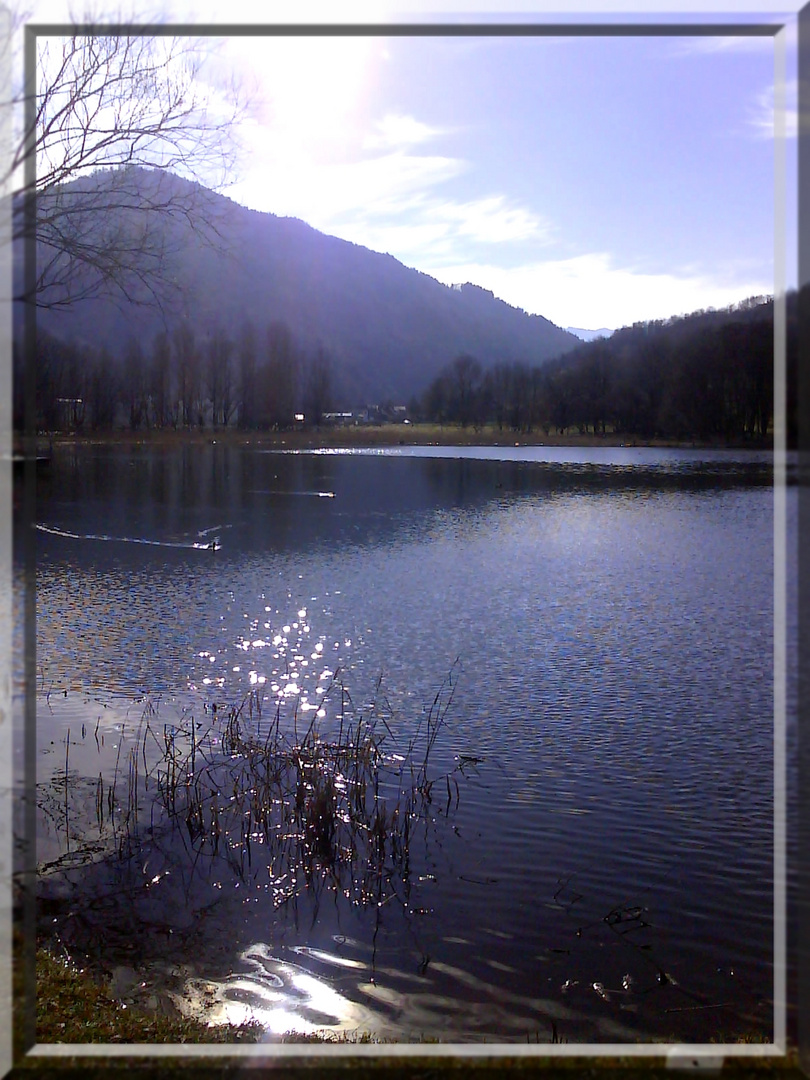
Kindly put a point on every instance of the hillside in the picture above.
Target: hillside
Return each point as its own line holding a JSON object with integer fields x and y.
{"x": 387, "y": 328}
{"x": 708, "y": 376}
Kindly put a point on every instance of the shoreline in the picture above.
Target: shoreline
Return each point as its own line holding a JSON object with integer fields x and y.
{"x": 384, "y": 435}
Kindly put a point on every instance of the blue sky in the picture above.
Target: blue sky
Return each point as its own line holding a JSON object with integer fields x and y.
{"x": 596, "y": 181}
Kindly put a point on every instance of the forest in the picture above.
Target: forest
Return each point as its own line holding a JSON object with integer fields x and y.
{"x": 183, "y": 380}
{"x": 707, "y": 376}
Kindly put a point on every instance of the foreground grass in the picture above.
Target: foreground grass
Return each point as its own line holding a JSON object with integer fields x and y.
{"x": 74, "y": 1007}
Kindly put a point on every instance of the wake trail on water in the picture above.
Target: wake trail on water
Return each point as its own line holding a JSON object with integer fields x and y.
{"x": 214, "y": 528}
{"x": 316, "y": 494}
{"x": 211, "y": 545}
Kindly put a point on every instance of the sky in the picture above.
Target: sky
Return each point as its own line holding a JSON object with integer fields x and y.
{"x": 594, "y": 181}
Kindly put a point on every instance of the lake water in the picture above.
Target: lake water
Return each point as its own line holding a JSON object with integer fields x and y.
{"x": 595, "y": 862}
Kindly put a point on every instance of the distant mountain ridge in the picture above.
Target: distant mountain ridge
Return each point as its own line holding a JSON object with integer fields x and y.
{"x": 389, "y": 329}
{"x": 589, "y": 335}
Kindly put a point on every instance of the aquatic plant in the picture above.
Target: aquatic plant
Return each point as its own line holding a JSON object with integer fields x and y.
{"x": 284, "y": 810}
{"x": 297, "y": 802}
{"x": 339, "y": 807}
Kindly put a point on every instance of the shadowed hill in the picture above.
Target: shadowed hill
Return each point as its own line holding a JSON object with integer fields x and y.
{"x": 388, "y": 328}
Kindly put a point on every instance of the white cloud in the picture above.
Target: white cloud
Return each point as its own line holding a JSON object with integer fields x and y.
{"x": 387, "y": 201}
{"x": 285, "y": 181}
{"x": 590, "y": 291}
{"x": 709, "y": 46}
{"x": 398, "y": 131}
{"x": 424, "y": 228}
{"x": 491, "y": 220}
{"x": 763, "y": 118}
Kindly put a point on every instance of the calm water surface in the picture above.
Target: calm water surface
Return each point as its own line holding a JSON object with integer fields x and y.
{"x": 606, "y": 617}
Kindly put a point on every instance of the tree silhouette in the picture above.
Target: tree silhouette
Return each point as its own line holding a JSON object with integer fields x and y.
{"x": 318, "y": 399}
{"x": 279, "y": 378}
{"x": 105, "y": 98}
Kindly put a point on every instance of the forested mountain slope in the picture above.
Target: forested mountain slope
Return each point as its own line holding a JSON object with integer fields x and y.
{"x": 387, "y": 329}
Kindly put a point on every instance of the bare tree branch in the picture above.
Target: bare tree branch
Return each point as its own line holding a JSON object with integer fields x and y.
{"x": 109, "y": 106}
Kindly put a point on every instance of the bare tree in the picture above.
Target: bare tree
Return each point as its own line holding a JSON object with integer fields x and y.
{"x": 465, "y": 376}
{"x": 248, "y": 382}
{"x": 105, "y": 103}
{"x": 102, "y": 391}
{"x": 278, "y": 378}
{"x": 160, "y": 379}
{"x": 134, "y": 392}
{"x": 220, "y": 377}
{"x": 188, "y": 372}
{"x": 318, "y": 398}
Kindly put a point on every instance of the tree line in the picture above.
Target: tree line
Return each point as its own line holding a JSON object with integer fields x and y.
{"x": 182, "y": 380}
{"x": 706, "y": 376}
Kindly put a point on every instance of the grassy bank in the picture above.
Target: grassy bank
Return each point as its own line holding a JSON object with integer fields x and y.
{"x": 366, "y": 436}
{"x": 74, "y": 1006}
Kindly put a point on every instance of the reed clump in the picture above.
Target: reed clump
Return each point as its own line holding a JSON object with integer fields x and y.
{"x": 305, "y": 801}
{"x": 282, "y": 811}
{"x": 339, "y": 807}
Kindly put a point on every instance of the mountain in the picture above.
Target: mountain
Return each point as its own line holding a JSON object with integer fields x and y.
{"x": 389, "y": 329}
{"x": 588, "y": 335}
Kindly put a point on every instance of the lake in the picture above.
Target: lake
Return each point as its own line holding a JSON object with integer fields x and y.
{"x": 586, "y": 636}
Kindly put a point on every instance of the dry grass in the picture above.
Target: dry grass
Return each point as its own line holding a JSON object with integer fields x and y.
{"x": 364, "y": 435}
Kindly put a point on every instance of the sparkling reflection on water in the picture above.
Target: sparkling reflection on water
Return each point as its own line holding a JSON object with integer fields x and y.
{"x": 612, "y": 612}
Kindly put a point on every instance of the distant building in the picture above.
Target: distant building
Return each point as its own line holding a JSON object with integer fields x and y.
{"x": 387, "y": 413}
